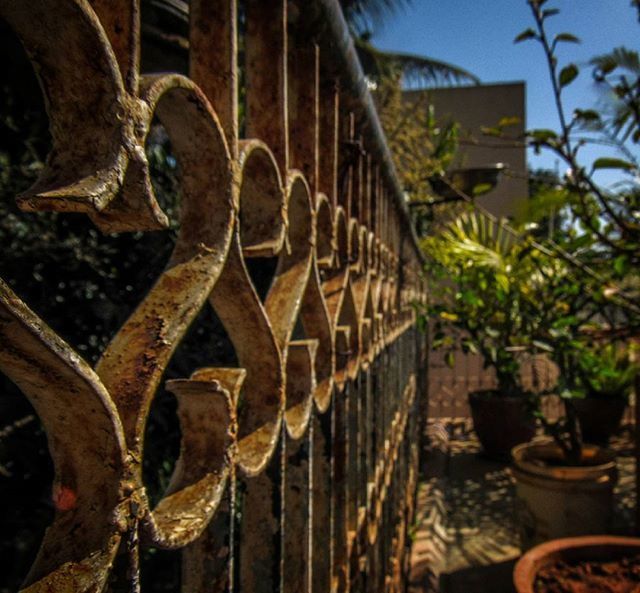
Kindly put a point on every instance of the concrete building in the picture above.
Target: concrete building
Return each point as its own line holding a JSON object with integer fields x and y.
{"x": 475, "y": 107}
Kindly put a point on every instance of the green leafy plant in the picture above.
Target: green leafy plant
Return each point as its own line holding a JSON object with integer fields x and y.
{"x": 599, "y": 230}
{"x": 589, "y": 370}
{"x": 482, "y": 278}
{"x": 605, "y": 370}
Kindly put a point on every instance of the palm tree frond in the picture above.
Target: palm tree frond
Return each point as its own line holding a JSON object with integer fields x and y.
{"x": 414, "y": 69}
{"x": 360, "y": 14}
{"x": 421, "y": 69}
{"x": 620, "y": 57}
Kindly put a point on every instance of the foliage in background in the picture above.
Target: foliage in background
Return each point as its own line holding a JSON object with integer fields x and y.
{"x": 605, "y": 370}
{"x": 482, "y": 279}
{"x": 544, "y": 212}
{"x": 602, "y": 223}
{"x": 363, "y": 14}
{"x": 420, "y": 147}
{"x": 417, "y": 71}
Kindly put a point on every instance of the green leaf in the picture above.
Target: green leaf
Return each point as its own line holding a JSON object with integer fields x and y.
{"x": 481, "y": 188}
{"x": 509, "y": 121}
{"x": 493, "y": 354}
{"x": 581, "y": 241}
{"x": 612, "y": 163}
{"x": 567, "y": 321}
{"x": 588, "y": 119}
{"x": 571, "y": 394}
{"x": 568, "y": 37}
{"x": 502, "y": 280}
{"x": 488, "y": 131}
{"x": 542, "y": 346}
{"x": 568, "y": 74}
{"x": 471, "y": 298}
{"x": 588, "y": 115}
{"x": 542, "y": 135}
{"x": 549, "y": 12}
{"x": 526, "y": 34}
{"x": 470, "y": 346}
{"x": 450, "y": 359}
{"x": 621, "y": 265}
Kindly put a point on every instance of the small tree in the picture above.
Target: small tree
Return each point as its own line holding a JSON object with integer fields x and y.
{"x": 420, "y": 147}
{"x": 600, "y": 235}
{"x": 610, "y": 217}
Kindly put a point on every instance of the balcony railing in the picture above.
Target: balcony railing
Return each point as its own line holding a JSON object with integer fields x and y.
{"x": 297, "y": 467}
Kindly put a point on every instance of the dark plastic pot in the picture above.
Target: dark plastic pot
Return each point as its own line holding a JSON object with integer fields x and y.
{"x": 500, "y": 422}
{"x": 571, "y": 549}
{"x": 599, "y": 417}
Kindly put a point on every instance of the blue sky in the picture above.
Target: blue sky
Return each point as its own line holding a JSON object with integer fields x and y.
{"x": 478, "y": 35}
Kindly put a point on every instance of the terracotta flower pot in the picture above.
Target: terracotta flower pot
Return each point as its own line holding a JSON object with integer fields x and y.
{"x": 599, "y": 417}
{"x": 501, "y": 423}
{"x": 555, "y": 500}
{"x": 572, "y": 549}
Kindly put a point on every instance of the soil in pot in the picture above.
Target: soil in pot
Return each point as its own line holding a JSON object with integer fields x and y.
{"x": 615, "y": 576}
{"x": 599, "y": 417}
{"x": 501, "y": 422}
{"x": 588, "y": 564}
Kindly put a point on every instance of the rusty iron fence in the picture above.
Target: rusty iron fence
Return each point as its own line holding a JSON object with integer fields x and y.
{"x": 297, "y": 469}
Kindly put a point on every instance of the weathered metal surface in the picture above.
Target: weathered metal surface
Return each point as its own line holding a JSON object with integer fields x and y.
{"x": 296, "y": 576}
{"x": 91, "y": 479}
{"x": 297, "y": 469}
{"x": 213, "y": 59}
{"x": 266, "y": 72}
{"x": 321, "y": 553}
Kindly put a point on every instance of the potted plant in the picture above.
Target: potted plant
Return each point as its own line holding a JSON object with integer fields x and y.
{"x": 555, "y": 497}
{"x": 565, "y": 486}
{"x": 605, "y": 374}
{"x": 479, "y": 271}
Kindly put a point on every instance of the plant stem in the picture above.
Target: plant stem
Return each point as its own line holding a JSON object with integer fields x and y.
{"x": 564, "y": 149}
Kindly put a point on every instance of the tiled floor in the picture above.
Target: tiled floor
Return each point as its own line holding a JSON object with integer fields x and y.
{"x": 465, "y": 539}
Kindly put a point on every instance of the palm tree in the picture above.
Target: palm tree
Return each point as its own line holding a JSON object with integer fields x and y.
{"x": 362, "y": 15}
{"x": 617, "y": 73}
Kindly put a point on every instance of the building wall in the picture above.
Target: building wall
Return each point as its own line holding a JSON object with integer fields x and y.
{"x": 475, "y": 107}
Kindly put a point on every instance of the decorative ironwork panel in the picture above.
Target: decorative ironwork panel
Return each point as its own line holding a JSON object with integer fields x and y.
{"x": 297, "y": 467}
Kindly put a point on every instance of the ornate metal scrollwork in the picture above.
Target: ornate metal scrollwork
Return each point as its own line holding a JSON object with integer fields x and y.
{"x": 311, "y": 350}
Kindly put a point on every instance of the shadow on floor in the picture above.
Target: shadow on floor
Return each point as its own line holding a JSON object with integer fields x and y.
{"x": 493, "y": 578}
{"x": 465, "y": 537}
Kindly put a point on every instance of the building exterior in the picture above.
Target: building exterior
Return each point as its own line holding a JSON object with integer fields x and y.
{"x": 482, "y": 106}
